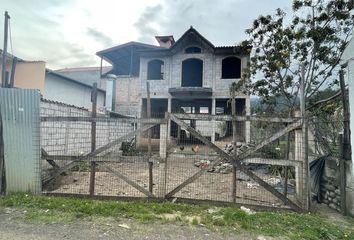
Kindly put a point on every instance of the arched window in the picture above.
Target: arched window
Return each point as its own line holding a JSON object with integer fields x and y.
{"x": 231, "y": 67}
{"x": 155, "y": 70}
{"x": 193, "y": 50}
{"x": 192, "y": 73}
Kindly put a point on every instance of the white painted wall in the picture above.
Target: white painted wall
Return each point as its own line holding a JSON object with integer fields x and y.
{"x": 348, "y": 58}
{"x": 61, "y": 90}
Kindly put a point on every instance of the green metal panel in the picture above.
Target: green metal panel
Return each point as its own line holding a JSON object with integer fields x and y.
{"x": 21, "y": 133}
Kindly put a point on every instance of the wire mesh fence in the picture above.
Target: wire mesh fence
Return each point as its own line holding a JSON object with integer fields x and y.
{"x": 325, "y": 155}
{"x": 122, "y": 166}
{"x": 270, "y": 163}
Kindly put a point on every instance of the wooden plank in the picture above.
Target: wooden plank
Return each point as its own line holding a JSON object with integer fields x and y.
{"x": 275, "y": 162}
{"x": 286, "y": 169}
{"x": 96, "y": 152}
{"x": 127, "y": 180}
{"x": 120, "y": 140}
{"x": 48, "y": 159}
{"x": 238, "y": 163}
{"x": 60, "y": 171}
{"x": 234, "y": 137}
{"x": 103, "y": 119}
{"x": 113, "y": 159}
{"x": 274, "y": 137}
{"x": 207, "y": 117}
{"x": 93, "y": 139}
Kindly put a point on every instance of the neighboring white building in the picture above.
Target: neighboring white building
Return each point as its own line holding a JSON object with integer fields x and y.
{"x": 63, "y": 89}
{"x": 348, "y": 61}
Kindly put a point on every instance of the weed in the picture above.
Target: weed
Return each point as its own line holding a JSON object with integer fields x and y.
{"x": 288, "y": 225}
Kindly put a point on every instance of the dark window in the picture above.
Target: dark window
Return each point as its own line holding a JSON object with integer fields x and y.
{"x": 193, "y": 50}
{"x": 192, "y": 73}
{"x": 231, "y": 67}
{"x": 155, "y": 70}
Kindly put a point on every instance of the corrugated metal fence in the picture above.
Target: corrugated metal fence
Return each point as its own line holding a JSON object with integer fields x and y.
{"x": 21, "y": 135}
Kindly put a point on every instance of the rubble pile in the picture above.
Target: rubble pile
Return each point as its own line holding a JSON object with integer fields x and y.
{"x": 223, "y": 167}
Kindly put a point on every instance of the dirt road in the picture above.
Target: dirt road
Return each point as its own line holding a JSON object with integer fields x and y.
{"x": 13, "y": 227}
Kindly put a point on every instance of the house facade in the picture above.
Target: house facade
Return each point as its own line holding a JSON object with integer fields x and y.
{"x": 60, "y": 88}
{"x": 24, "y": 74}
{"x": 189, "y": 75}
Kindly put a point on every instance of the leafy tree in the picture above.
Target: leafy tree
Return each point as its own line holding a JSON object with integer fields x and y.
{"x": 310, "y": 45}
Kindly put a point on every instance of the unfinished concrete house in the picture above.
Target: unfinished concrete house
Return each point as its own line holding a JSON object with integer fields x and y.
{"x": 189, "y": 75}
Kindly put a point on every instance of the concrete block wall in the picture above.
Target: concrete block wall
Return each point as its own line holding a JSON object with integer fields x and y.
{"x": 212, "y": 67}
{"x": 127, "y": 94}
{"x": 74, "y": 138}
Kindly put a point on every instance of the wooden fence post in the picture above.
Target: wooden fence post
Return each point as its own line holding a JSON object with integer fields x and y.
{"x": 234, "y": 139}
{"x": 93, "y": 138}
{"x": 148, "y": 110}
{"x": 345, "y": 145}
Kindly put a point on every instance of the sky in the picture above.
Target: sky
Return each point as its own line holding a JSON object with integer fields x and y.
{"x": 68, "y": 33}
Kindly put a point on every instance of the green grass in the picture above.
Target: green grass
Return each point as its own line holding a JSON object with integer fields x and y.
{"x": 289, "y": 225}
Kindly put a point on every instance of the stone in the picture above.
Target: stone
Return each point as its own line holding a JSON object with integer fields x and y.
{"x": 330, "y": 187}
{"x": 331, "y": 205}
{"x": 332, "y": 194}
{"x": 337, "y": 191}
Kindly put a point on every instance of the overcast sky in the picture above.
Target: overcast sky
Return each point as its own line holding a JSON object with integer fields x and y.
{"x": 68, "y": 33}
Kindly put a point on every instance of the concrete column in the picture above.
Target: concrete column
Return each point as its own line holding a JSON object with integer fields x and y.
{"x": 248, "y": 123}
{"x": 163, "y": 160}
{"x": 299, "y": 169}
{"x": 213, "y": 122}
{"x": 169, "y": 109}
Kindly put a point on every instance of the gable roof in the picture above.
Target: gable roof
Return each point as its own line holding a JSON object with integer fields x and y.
{"x": 48, "y": 71}
{"x": 191, "y": 35}
{"x": 86, "y": 75}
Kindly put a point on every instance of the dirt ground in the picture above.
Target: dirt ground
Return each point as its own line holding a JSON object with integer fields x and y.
{"x": 13, "y": 228}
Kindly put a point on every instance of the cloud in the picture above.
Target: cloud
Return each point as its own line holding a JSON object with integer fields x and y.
{"x": 147, "y": 24}
{"x": 223, "y": 23}
{"x": 67, "y": 33}
{"x": 100, "y": 37}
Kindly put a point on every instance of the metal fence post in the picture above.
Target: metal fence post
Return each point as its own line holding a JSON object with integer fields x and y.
{"x": 2, "y": 160}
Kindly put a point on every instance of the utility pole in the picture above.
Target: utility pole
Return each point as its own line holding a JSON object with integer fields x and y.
{"x": 4, "y": 52}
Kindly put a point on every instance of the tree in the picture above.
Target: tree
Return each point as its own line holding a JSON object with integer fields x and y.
{"x": 311, "y": 44}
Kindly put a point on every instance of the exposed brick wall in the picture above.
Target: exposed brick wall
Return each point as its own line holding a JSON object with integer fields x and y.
{"x": 127, "y": 95}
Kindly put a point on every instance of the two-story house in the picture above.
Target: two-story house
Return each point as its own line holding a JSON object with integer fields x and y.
{"x": 189, "y": 75}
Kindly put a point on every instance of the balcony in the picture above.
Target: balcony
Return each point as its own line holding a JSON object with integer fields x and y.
{"x": 190, "y": 91}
